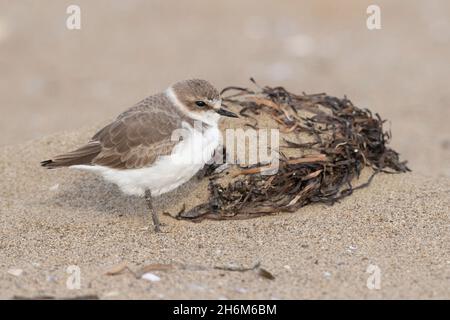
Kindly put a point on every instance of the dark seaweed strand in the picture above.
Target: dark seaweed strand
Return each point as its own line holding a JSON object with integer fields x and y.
{"x": 350, "y": 138}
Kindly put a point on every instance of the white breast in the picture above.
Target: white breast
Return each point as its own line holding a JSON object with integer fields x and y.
{"x": 168, "y": 172}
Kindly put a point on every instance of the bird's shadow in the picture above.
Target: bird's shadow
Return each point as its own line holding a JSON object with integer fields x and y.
{"x": 91, "y": 193}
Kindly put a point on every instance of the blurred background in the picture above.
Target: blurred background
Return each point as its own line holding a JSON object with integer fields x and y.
{"x": 53, "y": 79}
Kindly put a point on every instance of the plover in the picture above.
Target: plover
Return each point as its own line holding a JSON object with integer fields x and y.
{"x": 143, "y": 152}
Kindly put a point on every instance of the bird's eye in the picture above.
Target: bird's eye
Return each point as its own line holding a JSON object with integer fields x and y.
{"x": 200, "y": 103}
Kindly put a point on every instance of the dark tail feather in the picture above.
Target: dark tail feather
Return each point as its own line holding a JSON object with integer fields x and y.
{"x": 47, "y": 164}
{"x": 83, "y": 155}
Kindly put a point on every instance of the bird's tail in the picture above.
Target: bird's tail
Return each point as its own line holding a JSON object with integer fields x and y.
{"x": 83, "y": 155}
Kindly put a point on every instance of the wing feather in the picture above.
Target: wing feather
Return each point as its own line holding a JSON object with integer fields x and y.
{"x": 134, "y": 140}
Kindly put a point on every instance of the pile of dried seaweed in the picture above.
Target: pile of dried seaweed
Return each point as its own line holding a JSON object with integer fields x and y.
{"x": 344, "y": 140}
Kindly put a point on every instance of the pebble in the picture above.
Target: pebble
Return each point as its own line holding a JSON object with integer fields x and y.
{"x": 150, "y": 277}
{"x": 15, "y": 272}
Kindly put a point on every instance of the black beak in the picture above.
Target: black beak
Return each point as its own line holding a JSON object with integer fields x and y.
{"x": 226, "y": 113}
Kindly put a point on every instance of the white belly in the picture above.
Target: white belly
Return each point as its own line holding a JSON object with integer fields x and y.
{"x": 168, "y": 172}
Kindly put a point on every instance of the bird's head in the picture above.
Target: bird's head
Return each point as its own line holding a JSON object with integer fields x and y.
{"x": 199, "y": 98}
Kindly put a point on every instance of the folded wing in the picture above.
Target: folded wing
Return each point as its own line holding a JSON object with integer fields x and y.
{"x": 134, "y": 140}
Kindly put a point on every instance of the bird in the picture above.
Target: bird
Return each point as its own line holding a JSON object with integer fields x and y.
{"x": 156, "y": 145}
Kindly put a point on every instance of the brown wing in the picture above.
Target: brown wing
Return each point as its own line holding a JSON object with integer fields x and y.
{"x": 134, "y": 140}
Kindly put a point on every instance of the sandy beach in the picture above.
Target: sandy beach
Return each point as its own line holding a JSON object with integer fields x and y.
{"x": 58, "y": 87}
{"x": 54, "y": 219}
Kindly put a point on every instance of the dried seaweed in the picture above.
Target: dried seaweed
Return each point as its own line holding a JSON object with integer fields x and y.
{"x": 239, "y": 268}
{"x": 121, "y": 267}
{"x": 265, "y": 274}
{"x": 344, "y": 140}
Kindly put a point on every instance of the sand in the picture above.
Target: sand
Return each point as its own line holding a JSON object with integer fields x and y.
{"x": 54, "y": 219}
{"x": 57, "y": 86}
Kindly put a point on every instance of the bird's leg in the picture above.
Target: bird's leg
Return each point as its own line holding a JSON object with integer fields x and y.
{"x": 148, "y": 199}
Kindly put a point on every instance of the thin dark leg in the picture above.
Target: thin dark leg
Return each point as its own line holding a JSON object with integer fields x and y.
{"x": 148, "y": 199}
